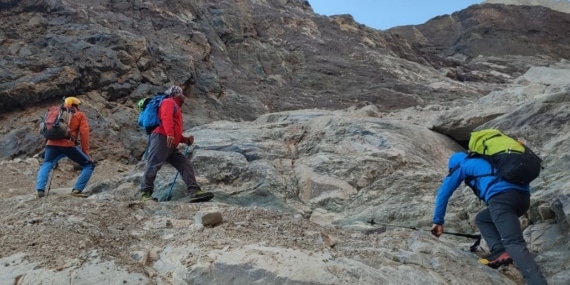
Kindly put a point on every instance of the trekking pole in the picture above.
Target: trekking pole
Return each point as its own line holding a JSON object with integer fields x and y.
{"x": 145, "y": 157}
{"x": 464, "y": 235}
{"x": 169, "y": 197}
{"x": 53, "y": 167}
{"x": 475, "y": 245}
{"x": 472, "y": 248}
{"x": 50, "y": 178}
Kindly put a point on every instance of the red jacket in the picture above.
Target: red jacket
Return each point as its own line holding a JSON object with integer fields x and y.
{"x": 171, "y": 123}
{"x": 79, "y": 127}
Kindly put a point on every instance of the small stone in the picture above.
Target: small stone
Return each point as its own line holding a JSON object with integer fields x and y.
{"x": 208, "y": 219}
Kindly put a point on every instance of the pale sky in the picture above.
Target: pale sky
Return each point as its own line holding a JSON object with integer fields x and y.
{"x": 385, "y": 14}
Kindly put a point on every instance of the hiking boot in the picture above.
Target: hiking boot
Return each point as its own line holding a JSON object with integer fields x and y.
{"x": 147, "y": 196}
{"x": 201, "y": 196}
{"x": 498, "y": 258}
{"x": 40, "y": 194}
{"x": 77, "y": 193}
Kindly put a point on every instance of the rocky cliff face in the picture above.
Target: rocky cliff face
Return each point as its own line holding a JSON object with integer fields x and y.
{"x": 490, "y": 43}
{"x": 558, "y": 5}
{"x": 323, "y": 140}
{"x": 248, "y": 58}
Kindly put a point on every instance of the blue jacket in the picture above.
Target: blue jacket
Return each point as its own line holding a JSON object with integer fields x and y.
{"x": 464, "y": 167}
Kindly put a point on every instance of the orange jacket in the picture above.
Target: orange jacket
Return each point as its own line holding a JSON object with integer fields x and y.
{"x": 79, "y": 128}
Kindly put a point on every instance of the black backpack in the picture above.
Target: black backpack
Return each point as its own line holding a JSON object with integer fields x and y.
{"x": 511, "y": 160}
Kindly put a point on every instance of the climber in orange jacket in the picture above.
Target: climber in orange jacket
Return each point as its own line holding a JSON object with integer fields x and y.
{"x": 55, "y": 149}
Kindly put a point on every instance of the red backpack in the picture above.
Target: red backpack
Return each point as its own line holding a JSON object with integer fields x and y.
{"x": 55, "y": 123}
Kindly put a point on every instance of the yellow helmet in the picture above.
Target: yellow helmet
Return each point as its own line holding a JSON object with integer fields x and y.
{"x": 70, "y": 101}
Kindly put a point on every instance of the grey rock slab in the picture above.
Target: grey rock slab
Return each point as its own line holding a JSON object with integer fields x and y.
{"x": 16, "y": 270}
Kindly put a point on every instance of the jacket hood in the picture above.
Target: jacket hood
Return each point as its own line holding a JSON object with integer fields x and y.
{"x": 456, "y": 159}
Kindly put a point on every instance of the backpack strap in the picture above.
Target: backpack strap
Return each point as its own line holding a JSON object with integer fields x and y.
{"x": 487, "y": 159}
{"x": 174, "y": 109}
{"x": 468, "y": 181}
{"x": 71, "y": 110}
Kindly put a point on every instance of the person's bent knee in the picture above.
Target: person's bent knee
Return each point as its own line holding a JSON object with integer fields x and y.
{"x": 88, "y": 165}
{"x": 478, "y": 218}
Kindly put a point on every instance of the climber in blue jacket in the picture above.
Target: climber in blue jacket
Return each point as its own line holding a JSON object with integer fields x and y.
{"x": 498, "y": 222}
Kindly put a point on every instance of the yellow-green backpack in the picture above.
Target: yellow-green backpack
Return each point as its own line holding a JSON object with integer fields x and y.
{"x": 511, "y": 159}
{"x": 493, "y": 141}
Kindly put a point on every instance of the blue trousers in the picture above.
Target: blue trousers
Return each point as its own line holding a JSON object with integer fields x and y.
{"x": 53, "y": 154}
{"x": 500, "y": 227}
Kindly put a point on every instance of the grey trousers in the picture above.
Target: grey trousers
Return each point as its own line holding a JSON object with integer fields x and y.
{"x": 158, "y": 154}
{"x": 500, "y": 227}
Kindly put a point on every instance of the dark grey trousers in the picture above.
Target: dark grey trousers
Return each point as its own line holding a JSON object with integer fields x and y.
{"x": 158, "y": 154}
{"x": 500, "y": 227}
